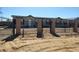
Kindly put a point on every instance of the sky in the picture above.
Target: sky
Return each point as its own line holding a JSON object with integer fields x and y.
{"x": 63, "y": 12}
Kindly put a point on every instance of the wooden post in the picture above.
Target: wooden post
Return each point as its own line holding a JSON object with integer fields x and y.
{"x": 50, "y": 22}
{"x": 39, "y": 28}
{"x": 68, "y": 26}
{"x": 23, "y": 28}
{"x": 75, "y": 29}
{"x": 18, "y": 26}
{"x": 52, "y": 26}
{"x": 13, "y": 25}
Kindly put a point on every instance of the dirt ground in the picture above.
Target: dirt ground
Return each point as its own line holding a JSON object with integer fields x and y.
{"x": 49, "y": 43}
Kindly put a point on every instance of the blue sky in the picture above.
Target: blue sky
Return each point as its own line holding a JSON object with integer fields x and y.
{"x": 63, "y": 12}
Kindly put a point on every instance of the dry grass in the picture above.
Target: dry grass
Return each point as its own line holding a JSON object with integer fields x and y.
{"x": 48, "y": 43}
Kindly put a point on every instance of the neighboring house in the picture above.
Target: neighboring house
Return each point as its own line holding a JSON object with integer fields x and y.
{"x": 30, "y": 21}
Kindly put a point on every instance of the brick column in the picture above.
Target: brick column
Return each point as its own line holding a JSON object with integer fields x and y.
{"x": 39, "y": 28}
{"x": 52, "y": 26}
{"x": 18, "y": 26}
{"x": 75, "y": 28}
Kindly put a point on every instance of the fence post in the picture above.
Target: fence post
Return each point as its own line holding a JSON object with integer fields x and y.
{"x": 23, "y": 28}
{"x": 13, "y": 26}
{"x": 52, "y": 26}
{"x": 18, "y": 26}
{"x": 39, "y": 28}
{"x": 75, "y": 29}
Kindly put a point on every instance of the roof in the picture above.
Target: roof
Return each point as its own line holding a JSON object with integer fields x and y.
{"x": 30, "y": 16}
